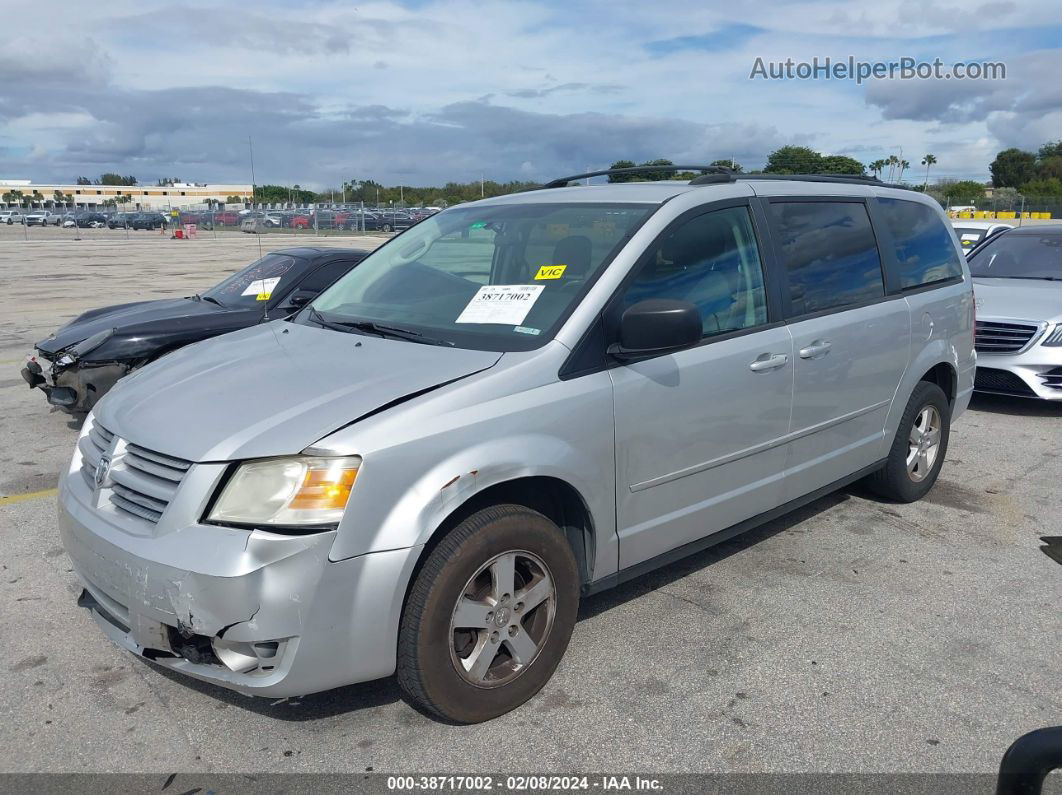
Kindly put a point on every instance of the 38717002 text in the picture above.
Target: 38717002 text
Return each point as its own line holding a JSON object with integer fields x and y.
{"x": 524, "y": 783}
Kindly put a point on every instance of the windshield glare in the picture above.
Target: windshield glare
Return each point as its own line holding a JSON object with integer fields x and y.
{"x": 497, "y": 277}
{"x": 1016, "y": 256}
{"x": 259, "y": 281}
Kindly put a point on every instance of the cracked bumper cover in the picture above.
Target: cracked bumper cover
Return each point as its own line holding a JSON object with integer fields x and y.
{"x": 336, "y": 622}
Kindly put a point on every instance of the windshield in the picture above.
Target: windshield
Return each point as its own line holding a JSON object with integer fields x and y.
{"x": 1019, "y": 256}
{"x": 499, "y": 277}
{"x": 969, "y": 237}
{"x": 259, "y": 281}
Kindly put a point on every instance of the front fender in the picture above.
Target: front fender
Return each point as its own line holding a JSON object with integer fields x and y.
{"x": 422, "y": 462}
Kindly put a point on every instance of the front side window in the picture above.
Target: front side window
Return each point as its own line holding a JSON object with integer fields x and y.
{"x": 829, "y": 253}
{"x": 924, "y": 251}
{"x": 490, "y": 277}
{"x": 712, "y": 262}
{"x": 1019, "y": 255}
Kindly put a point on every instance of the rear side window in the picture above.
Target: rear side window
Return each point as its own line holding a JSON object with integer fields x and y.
{"x": 830, "y": 254}
{"x": 924, "y": 251}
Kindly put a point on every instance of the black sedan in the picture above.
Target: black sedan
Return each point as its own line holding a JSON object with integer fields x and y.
{"x": 81, "y": 361}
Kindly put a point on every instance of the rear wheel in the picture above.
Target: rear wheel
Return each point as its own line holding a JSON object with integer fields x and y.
{"x": 919, "y": 448}
{"x": 489, "y": 616}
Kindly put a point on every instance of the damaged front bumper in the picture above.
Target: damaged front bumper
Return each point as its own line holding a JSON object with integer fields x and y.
{"x": 257, "y": 612}
{"x": 73, "y": 386}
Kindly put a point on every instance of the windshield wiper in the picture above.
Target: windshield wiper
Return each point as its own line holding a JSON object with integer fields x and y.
{"x": 320, "y": 320}
{"x": 212, "y": 300}
{"x": 1037, "y": 278}
{"x": 394, "y": 332}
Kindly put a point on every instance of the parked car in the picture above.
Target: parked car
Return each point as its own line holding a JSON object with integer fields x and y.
{"x": 42, "y": 218}
{"x": 120, "y": 221}
{"x": 10, "y": 217}
{"x": 517, "y": 402}
{"x": 395, "y": 221}
{"x": 80, "y": 362}
{"x": 85, "y": 220}
{"x": 1018, "y": 279}
{"x": 971, "y": 233}
{"x": 364, "y": 221}
{"x": 146, "y": 221}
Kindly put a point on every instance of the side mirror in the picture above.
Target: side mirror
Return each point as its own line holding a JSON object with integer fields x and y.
{"x": 299, "y": 300}
{"x": 657, "y": 326}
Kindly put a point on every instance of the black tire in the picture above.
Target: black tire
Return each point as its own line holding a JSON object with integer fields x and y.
{"x": 427, "y": 646}
{"x": 894, "y": 481}
{"x": 387, "y": 227}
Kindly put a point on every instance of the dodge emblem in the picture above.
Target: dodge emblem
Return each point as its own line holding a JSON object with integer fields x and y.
{"x": 102, "y": 468}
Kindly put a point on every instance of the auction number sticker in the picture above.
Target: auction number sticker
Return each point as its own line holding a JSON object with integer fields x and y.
{"x": 261, "y": 288}
{"x": 507, "y": 304}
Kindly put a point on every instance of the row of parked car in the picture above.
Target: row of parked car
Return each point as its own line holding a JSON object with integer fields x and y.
{"x": 86, "y": 219}
{"x": 351, "y": 219}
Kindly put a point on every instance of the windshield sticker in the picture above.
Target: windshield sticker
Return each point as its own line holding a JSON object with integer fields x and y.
{"x": 527, "y": 330}
{"x": 506, "y": 304}
{"x": 971, "y": 237}
{"x": 261, "y": 288}
{"x": 478, "y": 225}
{"x": 550, "y": 272}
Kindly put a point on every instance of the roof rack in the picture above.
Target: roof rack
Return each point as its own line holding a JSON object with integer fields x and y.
{"x": 852, "y": 179}
{"x": 712, "y": 175}
{"x": 707, "y": 171}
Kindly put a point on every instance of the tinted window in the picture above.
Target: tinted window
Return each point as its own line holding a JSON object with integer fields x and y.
{"x": 713, "y": 262}
{"x": 924, "y": 251}
{"x": 829, "y": 253}
{"x": 326, "y": 274}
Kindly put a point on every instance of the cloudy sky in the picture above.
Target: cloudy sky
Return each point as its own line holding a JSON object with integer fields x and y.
{"x": 427, "y": 91}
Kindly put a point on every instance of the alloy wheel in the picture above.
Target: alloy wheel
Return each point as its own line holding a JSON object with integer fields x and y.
{"x": 502, "y": 619}
{"x": 923, "y": 443}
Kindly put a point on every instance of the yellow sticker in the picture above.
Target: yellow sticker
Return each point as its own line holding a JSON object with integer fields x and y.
{"x": 550, "y": 272}
{"x": 263, "y": 297}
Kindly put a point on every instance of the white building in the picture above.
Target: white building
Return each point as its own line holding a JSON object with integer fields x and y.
{"x": 141, "y": 197}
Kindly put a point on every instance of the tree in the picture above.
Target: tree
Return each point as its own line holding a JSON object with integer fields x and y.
{"x": 1043, "y": 187}
{"x": 13, "y": 197}
{"x": 793, "y": 160}
{"x": 37, "y": 197}
{"x": 234, "y": 199}
{"x": 927, "y": 161}
{"x": 622, "y": 177}
{"x": 731, "y": 164}
{"x": 876, "y": 167}
{"x": 83, "y": 181}
{"x": 654, "y": 176}
{"x": 1050, "y": 150}
{"x": 964, "y": 191}
{"x": 902, "y": 165}
{"x": 840, "y": 164}
{"x": 1012, "y": 168}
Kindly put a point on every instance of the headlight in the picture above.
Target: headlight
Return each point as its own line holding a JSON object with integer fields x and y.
{"x": 1054, "y": 339}
{"x": 300, "y": 490}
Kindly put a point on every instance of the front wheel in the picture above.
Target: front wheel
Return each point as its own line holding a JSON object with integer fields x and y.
{"x": 919, "y": 448}
{"x": 489, "y": 615}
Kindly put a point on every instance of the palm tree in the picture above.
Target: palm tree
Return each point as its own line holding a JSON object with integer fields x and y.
{"x": 927, "y": 161}
{"x": 877, "y": 167}
{"x": 903, "y": 164}
{"x": 892, "y": 161}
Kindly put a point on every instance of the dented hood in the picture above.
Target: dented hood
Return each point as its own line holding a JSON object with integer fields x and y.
{"x": 272, "y": 389}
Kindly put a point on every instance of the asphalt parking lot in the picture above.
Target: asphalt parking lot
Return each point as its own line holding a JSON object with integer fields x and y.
{"x": 854, "y": 635}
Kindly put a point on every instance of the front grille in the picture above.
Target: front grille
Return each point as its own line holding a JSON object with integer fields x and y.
{"x": 143, "y": 482}
{"x": 992, "y": 336}
{"x": 93, "y": 446}
{"x": 1001, "y": 382}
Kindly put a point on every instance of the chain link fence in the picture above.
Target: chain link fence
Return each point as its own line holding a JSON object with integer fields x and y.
{"x": 208, "y": 221}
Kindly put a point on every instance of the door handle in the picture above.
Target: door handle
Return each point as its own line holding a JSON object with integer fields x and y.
{"x": 769, "y": 361}
{"x": 815, "y": 350}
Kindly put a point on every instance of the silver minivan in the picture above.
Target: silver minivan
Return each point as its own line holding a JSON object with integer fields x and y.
{"x": 514, "y": 404}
